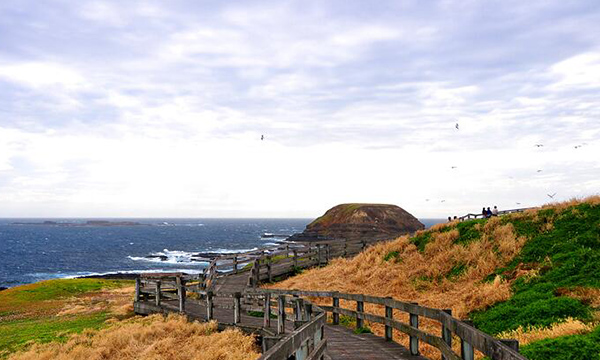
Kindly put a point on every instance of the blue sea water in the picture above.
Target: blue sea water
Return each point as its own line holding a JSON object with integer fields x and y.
{"x": 30, "y": 253}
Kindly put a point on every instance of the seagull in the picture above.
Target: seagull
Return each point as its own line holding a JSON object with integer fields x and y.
{"x": 426, "y": 199}
{"x": 539, "y": 171}
{"x": 262, "y": 137}
{"x": 578, "y": 146}
{"x": 539, "y": 145}
{"x": 456, "y": 126}
{"x": 443, "y": 201}
{"x": 518, "y": 203}
{"x": 551, "y": 196}
{"x": 454, "y": 167}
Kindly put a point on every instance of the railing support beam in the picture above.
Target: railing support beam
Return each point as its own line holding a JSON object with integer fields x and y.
{"x": 414, "y": 341}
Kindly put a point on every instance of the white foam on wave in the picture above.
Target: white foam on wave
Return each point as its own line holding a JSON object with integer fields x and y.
{"x": 174, "y": 257}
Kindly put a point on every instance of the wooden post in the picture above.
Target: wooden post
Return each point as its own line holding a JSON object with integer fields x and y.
{"x": 157, "y": 292}
{"x": 298, "y": 307}
{"x": 364, "y": 244}
{"x": 287, "y": 250}
{"x": 446, "y": 332}
{"x": 345, "y": 247}
{"x": 466, "y": 349}
{"x": 308, "y": 312}
{"x": 256, "y": 272}
{"x": 318, "y": 255}
{"x": 235, "y": 265}
{"x": 327, "y": 252}
{"x": 138, "y": 286}
{"x": 209, "y": 306}
{"x": 360, "y": 309}
{"x": 389, "y": 314}
{"x": 414, "y": 341}
{"x": 237, "y": 307}
{"x": 281, "y": 314}
{"x": 336, "y": 314}
{"x": 295, "y": 258}
{"x": 267, "y": 311}
{"x": 269, "y": 273}
{"x": 181, "y": 294}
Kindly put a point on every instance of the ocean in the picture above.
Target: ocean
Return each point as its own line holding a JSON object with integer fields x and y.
{"x": 32, "y": 252}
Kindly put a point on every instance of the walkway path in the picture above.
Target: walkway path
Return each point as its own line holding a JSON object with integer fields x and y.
{"x": 342, "y": 342}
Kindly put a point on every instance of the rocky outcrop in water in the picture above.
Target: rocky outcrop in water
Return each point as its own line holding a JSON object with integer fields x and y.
{"x": 360, "y": 221}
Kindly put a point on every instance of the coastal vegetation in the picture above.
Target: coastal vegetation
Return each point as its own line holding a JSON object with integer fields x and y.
{"x": 533, "y": 276}
{"x": 93, "y": 318}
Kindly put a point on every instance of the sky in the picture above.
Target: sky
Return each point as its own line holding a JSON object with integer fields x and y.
{"x": 157, "y": 108}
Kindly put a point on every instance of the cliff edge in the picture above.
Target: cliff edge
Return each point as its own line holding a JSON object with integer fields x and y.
{"x": 360, "y": 221}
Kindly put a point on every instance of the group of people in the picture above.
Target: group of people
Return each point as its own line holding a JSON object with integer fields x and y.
{"x": 487, "y": 213}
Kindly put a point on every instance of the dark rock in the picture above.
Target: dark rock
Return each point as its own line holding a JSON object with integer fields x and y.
{"x": 161, "y": 257}
{"x": 3, "y": 288}
{"x": 113, "y": 276}
{"x": 360, "y": 221}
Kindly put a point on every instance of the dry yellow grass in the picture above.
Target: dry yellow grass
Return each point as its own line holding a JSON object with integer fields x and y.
{"x": 423, "y": 276}
{"x": 154, "y": 337}
{"x": 118, "y": 302}
{"x": 568, "y": 327}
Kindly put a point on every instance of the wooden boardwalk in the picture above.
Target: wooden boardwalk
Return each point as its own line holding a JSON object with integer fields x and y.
{"x": 289, "y": 326}
{"x": 342, "y": 342}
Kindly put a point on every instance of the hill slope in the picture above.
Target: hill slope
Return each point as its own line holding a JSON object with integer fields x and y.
{"x": 531, "y": 275}
{"x": 361, "y": 221}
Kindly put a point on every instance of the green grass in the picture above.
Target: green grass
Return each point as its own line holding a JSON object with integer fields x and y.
{"x": 457, "y": 270}
{"x": 574, "y": 347}
{"x": 261, "y": 314}
{"x": 34, "y": 308}
{"x": 421, "y": 240}
{"x": 467, "y": 231}
{"x": 567, "y": 256}
{"x": 391, "y": 255}
{"x": 57, "y": 289}
{"x": 17, "y": 335}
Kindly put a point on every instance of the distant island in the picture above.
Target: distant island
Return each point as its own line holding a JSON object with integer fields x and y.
{"x": 360, "y": 221}
{"x": 87, "y": 223}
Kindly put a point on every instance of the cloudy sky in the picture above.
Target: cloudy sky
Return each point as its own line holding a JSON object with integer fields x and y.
{"x": 156, "y": 109}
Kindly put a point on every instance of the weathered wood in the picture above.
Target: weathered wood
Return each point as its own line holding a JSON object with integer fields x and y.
{"x": 157, "y": 293}
{"x": 336, "y": 315}
{"x": 138, "y": 286}
{"x": 295, "y": 258}
{"x": 389, "y": 314}
{"x": 299, "y": 306}
{"x": 281, "y": 314}
{"x": 209, "y": 306}
{"x": 414, "y": 341}
{"x": 360, "y": 308}
{"x": 267, "y": 311}
{"x": 290, "y": 344}
{"x": 466, "y": 349}
{"x": 181, "y": 292}
{"x": 237, "y": 308}
{"x": 308, "y": 311}
{"x": 269, "y": 273}
{"x": 235, "y": 265}
{"x": 446, "y": 333}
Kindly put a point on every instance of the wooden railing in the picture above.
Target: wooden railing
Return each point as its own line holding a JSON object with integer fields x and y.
{"x": 269, "y": 263}
{"x": 501, "y": 212}
{"x": 168, "y": 293}
{"x": 471, "y": 338}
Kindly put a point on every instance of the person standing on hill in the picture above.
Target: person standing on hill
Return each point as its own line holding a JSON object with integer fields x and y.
{"x": 488, "y": 213}
{"x": 495, "y": 211}
{"x": 484, "y": 212}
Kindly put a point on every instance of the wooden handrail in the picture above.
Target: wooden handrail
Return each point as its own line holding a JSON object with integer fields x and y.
{"x": 476, "y": 339}
{"x": 501, "y": 212}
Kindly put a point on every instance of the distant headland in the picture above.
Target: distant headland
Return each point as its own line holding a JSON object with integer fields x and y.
{"x": 86, "y": 223}
{"x": 360, "y": 221}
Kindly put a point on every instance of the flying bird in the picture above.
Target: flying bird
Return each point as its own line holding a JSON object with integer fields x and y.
{"x": 551, "y": 196}
{"x": 518, "y": 203}
{"x": 456, "y": 126}
{"x": 454, "y": 167}
{"x": 539, "y": 171}
{"x": 443, "y": 201}
{"x": 426, "y": 199}
{"x": 262, "y": 137}
{"x": 539, "y": 145}
{"x": 578, "y": 146}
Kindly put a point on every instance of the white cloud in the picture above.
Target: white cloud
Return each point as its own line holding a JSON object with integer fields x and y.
{"x": 38, "y": 75}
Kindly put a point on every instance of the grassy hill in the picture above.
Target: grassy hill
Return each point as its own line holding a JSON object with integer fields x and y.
{"x": 93, "y": 319}
{"x": 534, "y": 276}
